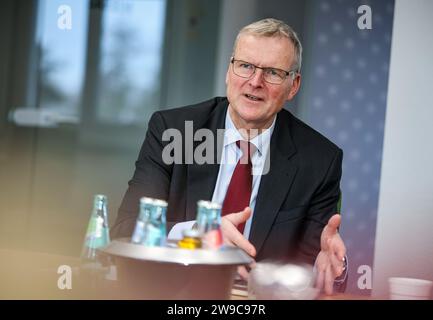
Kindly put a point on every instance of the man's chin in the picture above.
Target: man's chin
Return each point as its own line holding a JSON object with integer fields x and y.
{"x": 248, "y": 115}
{"x": 252, "y": 122}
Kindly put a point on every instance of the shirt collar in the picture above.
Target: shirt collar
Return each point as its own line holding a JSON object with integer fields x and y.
{"x": 231, "y": 134}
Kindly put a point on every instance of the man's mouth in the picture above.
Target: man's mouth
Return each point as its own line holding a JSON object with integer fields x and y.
{"x": 252, "y": 97}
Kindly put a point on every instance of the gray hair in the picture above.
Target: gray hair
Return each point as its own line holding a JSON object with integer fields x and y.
{"x": 270, "y": 27}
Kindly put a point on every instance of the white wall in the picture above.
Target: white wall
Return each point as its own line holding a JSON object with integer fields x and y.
{"x": 404, "y": 236}
{"x": 234, "y": 16}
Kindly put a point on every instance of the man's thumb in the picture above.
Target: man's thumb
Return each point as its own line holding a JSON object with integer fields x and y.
{"x": 334, "y": 222}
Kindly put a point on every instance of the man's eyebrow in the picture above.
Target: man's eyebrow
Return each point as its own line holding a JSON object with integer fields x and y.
{"x": 263, "y": 67}
{"x": 257, "y": 65}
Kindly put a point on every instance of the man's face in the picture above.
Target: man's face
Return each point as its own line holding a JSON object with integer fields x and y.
{"x": 257, "y": 112}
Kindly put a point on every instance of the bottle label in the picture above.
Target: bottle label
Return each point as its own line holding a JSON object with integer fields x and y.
{"x": 97, "y": 235}
{"x": 138, "y": 232}
{"x": 153, "y": 236}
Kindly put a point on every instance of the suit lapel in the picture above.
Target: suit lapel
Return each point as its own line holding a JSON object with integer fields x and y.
{"x": 275, "y": 185}
{"x": 201, "y": 178}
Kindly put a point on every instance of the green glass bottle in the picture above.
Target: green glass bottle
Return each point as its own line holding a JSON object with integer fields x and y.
{"x": 94, "y": 265}
{"x": 98, "y": 233}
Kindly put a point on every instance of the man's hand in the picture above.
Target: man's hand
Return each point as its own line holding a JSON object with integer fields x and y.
{"x": 232, "y": 236}
{"x": 330, "y": 261}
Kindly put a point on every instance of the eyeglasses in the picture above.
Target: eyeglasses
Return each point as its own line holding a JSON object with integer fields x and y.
{"x": 271, "y": 75}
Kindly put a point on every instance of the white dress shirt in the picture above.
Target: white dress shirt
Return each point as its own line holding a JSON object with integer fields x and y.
{"x": 230, "y": 157}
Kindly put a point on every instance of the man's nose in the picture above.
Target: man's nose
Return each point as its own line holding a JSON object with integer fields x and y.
{"x": 257, "y": 78}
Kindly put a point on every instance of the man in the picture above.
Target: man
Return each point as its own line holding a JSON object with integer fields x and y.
{"x": 280, "y": 203}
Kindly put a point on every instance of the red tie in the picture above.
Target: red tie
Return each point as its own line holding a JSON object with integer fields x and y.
{"x": 239, "y": 191}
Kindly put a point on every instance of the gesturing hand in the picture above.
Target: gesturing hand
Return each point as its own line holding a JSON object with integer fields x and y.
{"x": 330, "y": 261}
{"x": 232, "y": 236}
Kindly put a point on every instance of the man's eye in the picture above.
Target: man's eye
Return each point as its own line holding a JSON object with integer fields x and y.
{"x": 246, "y": 65}
{"x": 273, "y": 72}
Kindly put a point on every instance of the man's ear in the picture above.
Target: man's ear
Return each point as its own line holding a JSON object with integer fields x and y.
{"x": 295, "y": 87}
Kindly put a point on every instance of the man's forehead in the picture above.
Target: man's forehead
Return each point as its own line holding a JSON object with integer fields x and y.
{"x": 265, "y": 51}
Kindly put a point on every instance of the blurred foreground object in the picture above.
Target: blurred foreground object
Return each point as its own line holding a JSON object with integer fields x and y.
{"x": 271, "y": 281}
{"x": 209, "y": 224}
{"x": 151, "y": 226}
{"x": 174, "y": 273}
{"x": 409, "y": 289}
{"x": 95, "y": 267}
{"x": 191, "y": 239}
{"x": 142, "y": 220}
{"x": 97, "y": 235}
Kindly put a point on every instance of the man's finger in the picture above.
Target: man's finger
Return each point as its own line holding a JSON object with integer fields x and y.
{"x": 320, "y": 279}
{"x": 232, "y": 235}
{"x": 329, "y": 280}
{"x": 239, "y": 217}
{"x": 239, "y": 240}
{"x": 330, "y": 230}
{"x": 337, "y": 265}
{"x": 252, "y": 265}
{"x": 337, "y": 246}
{"x": 242, "y": 271}
{"x": 334, "y": 223}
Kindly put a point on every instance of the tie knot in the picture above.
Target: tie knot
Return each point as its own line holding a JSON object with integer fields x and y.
{"x": 247, "y": 149}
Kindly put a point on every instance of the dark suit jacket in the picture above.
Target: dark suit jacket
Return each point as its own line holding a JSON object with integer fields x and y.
{"x": 294, "y": 201}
